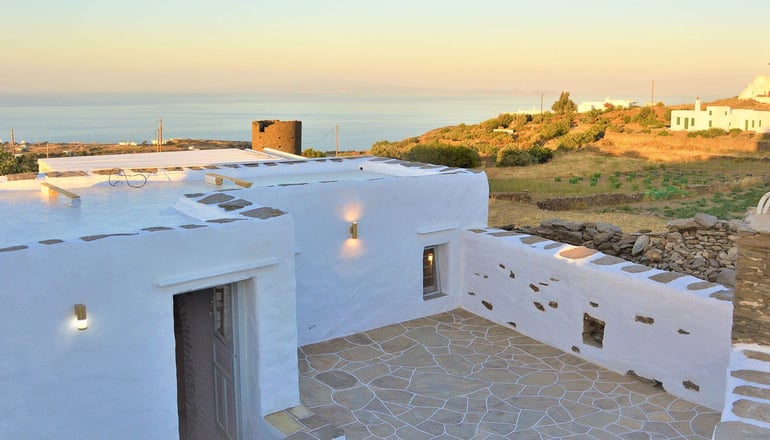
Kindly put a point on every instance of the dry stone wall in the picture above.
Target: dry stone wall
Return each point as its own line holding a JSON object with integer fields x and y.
{"x": 751, "y": 314}
{"x": 702, "y": 246}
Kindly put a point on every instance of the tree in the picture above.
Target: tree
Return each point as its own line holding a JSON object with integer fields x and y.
{"x": 564, "y": 105}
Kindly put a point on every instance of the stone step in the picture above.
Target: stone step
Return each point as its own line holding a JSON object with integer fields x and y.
{"x": 299, "y": 423}
{"x": 749, "y": 409}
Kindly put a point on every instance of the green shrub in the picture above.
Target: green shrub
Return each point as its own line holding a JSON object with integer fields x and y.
{"x": 388, "y": 149}
{"x": 710, "y": 133}
{"x": 514, "y": 157}
{"x": 578, "y": 140}
{"x": 442, "y": 154}
{"x": 555, "y": 129}
{"x": 664, "y": 133}
{"x": 540, "y": 154}
{"x": 312, "y": 153}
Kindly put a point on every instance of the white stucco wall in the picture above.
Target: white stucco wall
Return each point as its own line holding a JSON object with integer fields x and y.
{"x": 688, "y": 339}
{"x": 721, "y": 117}
{"x": 345, "y": 286}
{"x": 117, "y": 379}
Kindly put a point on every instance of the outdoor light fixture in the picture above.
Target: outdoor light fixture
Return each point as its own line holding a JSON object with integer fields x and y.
{"x": 80, "y": 316}
{"x": 354, "y": 230}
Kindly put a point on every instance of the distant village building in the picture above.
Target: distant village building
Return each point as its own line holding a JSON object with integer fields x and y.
{"x": 720, "y": 116}
{"x": 587, "y": 106}
{"x": 758, "y": 90}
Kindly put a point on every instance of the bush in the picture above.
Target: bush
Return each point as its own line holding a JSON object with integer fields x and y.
{"x": 514, "y": 157}
{"x": 555, "y": 129}
{"x": 664, "y": 133}
{"x": 710, "y": 133}
{"x": 388, "y": 149}
{"x": 442, "y": 154}
{"x": 540, "y": 154}
{"x": 312, "y": 153}
{"x": 578, "y": 140}
{"x": 646, "y": 118}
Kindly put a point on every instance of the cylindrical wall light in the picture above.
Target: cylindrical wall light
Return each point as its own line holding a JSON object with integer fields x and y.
{"x": 354, "y": 230}
{"x": 80, "y": 316}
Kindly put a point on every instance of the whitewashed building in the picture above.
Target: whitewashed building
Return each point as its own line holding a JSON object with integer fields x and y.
{"x": 758, "y": 90}
{"x": 720, "y": 116}
{"x": 130, "y": 281}
{"x": 588, "y": 106}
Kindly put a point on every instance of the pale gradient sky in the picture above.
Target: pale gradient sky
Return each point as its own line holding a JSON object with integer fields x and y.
{"x": 589, "y": 47}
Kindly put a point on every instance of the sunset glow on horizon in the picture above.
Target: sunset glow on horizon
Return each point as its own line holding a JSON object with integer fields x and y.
{"x": 591, "y": 47}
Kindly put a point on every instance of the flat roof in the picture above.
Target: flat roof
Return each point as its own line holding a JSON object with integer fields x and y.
{"x": 166, "y": 159}
{"x": 143, "y": 191}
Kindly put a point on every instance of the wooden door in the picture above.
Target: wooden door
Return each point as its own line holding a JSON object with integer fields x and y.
{"x": 224, "y": 316}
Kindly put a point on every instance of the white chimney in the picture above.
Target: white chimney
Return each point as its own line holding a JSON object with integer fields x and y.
{"x": 697, "y": 104}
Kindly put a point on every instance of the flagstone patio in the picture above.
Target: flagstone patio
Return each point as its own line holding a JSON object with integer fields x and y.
{"x": 459, "y": 376}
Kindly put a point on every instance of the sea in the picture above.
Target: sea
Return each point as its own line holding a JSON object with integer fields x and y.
{"x": 360, "y": 119}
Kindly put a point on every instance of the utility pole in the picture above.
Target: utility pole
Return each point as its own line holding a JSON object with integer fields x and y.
{"x": 652, "y": 95}
{"x": 541, "y": 103}
{"x": 160, "y": 136}
{"x": 336, "y": 140}
{"x": 13, "y": 143}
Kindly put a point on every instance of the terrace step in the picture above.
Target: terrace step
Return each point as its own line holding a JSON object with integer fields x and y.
{"x": 299, "y": 423}
{"x": 747, "y": 405}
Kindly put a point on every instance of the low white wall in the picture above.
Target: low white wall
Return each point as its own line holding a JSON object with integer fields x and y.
{"x": 345, "y": 286}
{"x": 687, "y": 342}
{"x": 117, "y": 379}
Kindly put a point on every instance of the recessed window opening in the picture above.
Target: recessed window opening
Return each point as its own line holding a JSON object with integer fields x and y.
{"x": 431, "y": 275}
{"x": 593, "y": 331}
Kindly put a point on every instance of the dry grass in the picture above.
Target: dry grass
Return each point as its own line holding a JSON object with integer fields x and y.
{"x": 677, "y": 147}
{"x": 506, "y": 212}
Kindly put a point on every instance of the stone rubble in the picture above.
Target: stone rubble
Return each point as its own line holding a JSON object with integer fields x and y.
{"x": 702, "y": 246}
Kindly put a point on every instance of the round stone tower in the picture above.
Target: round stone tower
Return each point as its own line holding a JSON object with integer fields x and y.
{"x": 285, "y": 136}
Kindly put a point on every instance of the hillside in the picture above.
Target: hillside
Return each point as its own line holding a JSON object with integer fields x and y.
{"x": 621, "y": 166}
{"x": 636, "y": 132}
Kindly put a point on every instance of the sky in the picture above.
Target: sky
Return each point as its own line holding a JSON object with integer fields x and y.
{"x": 589, "y": 47}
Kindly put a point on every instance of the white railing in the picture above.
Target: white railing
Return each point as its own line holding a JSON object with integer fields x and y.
{"x": 763, "y": 207}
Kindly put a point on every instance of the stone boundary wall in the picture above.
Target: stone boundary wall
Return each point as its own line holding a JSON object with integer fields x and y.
{"x": 751, "y": 317}
{"x": 702, "y": 246}
{"x": 591, "y": 200}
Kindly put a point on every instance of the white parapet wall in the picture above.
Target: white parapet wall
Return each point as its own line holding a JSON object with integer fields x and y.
{"x": 663, "y": 326}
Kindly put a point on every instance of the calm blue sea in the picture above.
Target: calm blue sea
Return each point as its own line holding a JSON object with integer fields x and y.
{"x": 362, "y": 119}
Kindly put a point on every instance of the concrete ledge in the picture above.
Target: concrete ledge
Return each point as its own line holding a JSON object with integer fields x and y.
{"x": 53, "y": 191}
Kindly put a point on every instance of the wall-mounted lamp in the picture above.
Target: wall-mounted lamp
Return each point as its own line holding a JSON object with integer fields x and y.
{"x": 354, "y": 230}
{"x": 80, "y": 316}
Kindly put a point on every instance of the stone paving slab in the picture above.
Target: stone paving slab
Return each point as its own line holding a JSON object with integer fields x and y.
{"x": 458, "y": 376}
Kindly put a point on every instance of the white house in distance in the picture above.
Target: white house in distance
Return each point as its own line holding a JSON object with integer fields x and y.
{"x": 758, "y": 90}
{"x": 719, "y": 116}
{"x": 164, "y": 295}
{"x": 588, "y": 106}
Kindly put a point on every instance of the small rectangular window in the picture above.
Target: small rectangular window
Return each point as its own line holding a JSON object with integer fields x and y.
{"x": 709, "y": 123}
{"x": 709, "y": 112}
{"x": 752, "y": 123}
{"x": 434, "y": 260}
{"x": 692, "y": 122}
{"x": 429, "y": 271}
{"x": 678, "y": 120}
